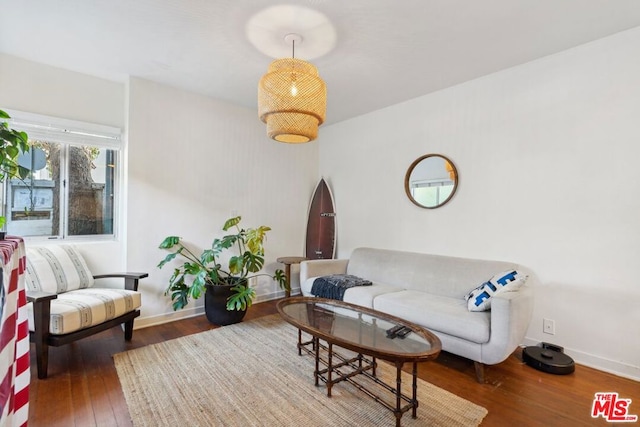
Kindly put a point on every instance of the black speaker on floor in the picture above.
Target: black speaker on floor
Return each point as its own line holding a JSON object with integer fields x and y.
{"x": 548, "y": 358}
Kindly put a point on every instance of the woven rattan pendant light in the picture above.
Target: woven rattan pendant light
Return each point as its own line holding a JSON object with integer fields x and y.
{"x": 292, "y": 98}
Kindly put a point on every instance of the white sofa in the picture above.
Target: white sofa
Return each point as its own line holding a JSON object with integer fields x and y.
{"x": 429, "y": 290}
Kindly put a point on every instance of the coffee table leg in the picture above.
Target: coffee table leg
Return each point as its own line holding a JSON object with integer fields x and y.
{"x": 414, "y": 399}
{"x": 317, "y": 347}
{"x": 329, "y": 369}
{"x": 299, "y": 342}
{"x": 398, "y": 412}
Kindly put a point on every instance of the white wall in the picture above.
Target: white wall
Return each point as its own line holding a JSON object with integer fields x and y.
{"x": 193, "y": 163}
{"x": 42, "y": 89}
{"x": 190, "y": 163}
{"x": 547, "y": 156}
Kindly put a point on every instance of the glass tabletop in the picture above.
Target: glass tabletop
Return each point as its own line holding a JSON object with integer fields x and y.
{"x": 359, "y": 328}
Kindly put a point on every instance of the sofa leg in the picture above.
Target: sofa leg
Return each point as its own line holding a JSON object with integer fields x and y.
{"x": 128, "y": 330}
{"x": 479, "y": 371}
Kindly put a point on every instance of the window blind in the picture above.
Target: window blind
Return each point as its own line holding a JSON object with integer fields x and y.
{"x": 54, "y": 129}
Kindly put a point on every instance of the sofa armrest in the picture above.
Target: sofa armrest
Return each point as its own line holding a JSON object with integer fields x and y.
{"x": 322, "y": 267}
{"x": 130, "y": 279}
{"x": 511, "y": 314}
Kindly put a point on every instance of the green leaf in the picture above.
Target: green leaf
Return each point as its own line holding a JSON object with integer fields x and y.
{"x": 179, "y": 293}
{"x": 180, "y": 300}
{"x": 253, "y": 262}
{"x": 231, "y": 222}
{"x": 236, "y": 264}
{"x": 200, "y": 279}
{"x": 227, "y": 241}
{"x": 167, "y": 259}
{"x": 24, "y": 140}
{"x": 242, "y": 298}
{"x": 282, "y": 280}
{"x": 214, "y": 277}
{"x": 169, "y": 242}
{"x": 191, "y": 268}
{"x": 12, "y": 151}
{"x": 197, "y": 287}
{"x": 208, "y": 256}
{"x": 23, "y": 172}
{"x": 176, "y": 279}
{"x": 4, "y": 115}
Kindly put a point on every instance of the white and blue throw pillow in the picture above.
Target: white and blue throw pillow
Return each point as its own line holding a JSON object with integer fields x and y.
{"x": 479, "y": 299}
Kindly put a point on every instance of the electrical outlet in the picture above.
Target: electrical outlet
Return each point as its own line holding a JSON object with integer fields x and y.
{"x": 549, "y": 326}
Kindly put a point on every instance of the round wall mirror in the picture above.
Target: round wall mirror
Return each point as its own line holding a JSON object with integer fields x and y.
{"x": 431, "y": 181}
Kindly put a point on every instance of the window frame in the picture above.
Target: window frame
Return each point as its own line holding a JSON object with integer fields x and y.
{"x": 72, "y": 133}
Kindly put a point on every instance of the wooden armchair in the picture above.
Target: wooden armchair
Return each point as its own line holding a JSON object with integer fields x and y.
{"x": 65, "y": 306}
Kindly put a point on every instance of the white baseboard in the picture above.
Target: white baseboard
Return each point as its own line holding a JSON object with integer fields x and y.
{"x": 597, "y": 362}
{"x": 159, "y": 319}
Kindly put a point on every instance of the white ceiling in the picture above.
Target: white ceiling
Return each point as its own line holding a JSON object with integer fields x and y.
{"x": 386, "y": 51}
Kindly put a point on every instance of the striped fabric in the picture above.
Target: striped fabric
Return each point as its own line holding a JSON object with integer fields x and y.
{"x": 56, "y": 269}
{"x": 14, "y": 336}
{"x": 83, "y": 308}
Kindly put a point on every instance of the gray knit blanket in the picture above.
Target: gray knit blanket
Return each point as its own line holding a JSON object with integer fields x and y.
{"x": 335, "y": 285}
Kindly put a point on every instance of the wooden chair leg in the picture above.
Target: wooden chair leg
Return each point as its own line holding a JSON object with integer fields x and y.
{"x": 42, "y": 357}
{"x": 479, "y": 371}
{"x": 41, "y": 319}
{"x": 128, "y": 330}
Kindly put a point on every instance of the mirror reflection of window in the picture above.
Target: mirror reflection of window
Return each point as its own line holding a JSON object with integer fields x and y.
{"x": 431, "y": 181}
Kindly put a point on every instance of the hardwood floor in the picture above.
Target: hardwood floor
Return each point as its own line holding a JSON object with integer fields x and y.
{"x": 83, "y": 388}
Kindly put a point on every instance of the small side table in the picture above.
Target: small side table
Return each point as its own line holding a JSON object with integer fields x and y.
{"x": 287, "y": 261}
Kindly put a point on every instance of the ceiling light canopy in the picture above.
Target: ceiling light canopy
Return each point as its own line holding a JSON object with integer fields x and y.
{"x": 292, "y": 98}
{"x": 266, "y": 28}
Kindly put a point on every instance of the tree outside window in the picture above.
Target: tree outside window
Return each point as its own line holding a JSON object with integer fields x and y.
{"x": 69, "y": 191}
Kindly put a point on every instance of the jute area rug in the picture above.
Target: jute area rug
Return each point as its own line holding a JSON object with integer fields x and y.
{"x": 250, "y": 374}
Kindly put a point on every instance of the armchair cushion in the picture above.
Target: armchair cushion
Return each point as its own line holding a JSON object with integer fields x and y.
{"x": 56, "y": 269}
{"x": 83, "y": 308}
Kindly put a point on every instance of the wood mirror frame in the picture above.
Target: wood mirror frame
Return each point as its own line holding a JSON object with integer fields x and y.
{"x": 434, "y": 173}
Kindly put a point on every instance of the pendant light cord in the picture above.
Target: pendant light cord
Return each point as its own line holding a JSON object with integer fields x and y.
{"x": 293, "y": 49}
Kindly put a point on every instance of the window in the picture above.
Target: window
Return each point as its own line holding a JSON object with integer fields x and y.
{"x": 72, "y": 186}
{"x": 431, "y": 193}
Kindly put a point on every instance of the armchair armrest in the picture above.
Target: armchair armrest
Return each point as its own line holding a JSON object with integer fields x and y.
{"x": 130, "y": 279}
{"x": 38, "y": 297}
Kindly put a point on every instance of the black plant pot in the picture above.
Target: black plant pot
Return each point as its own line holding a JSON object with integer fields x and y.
{"x": 215, "y": 306}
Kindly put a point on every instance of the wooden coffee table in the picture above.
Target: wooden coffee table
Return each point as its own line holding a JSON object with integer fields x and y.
{"x": 363, "y": 331}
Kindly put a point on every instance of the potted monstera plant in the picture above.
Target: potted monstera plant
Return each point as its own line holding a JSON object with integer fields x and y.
{"x": 12, "y": 143}
{"x": 227, "y": 289}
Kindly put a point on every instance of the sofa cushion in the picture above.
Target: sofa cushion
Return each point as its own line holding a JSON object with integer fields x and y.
{"x": 436, "y": 274}
{"x": 360, "y": 295}
{"x": 479, "y": 299}
{"x": 83, "y": 308}
{"x": 437, "y": 313}
{"x": 56, "y": 269}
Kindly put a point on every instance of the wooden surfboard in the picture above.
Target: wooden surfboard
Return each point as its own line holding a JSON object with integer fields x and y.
{"x": 321, "y": 225}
